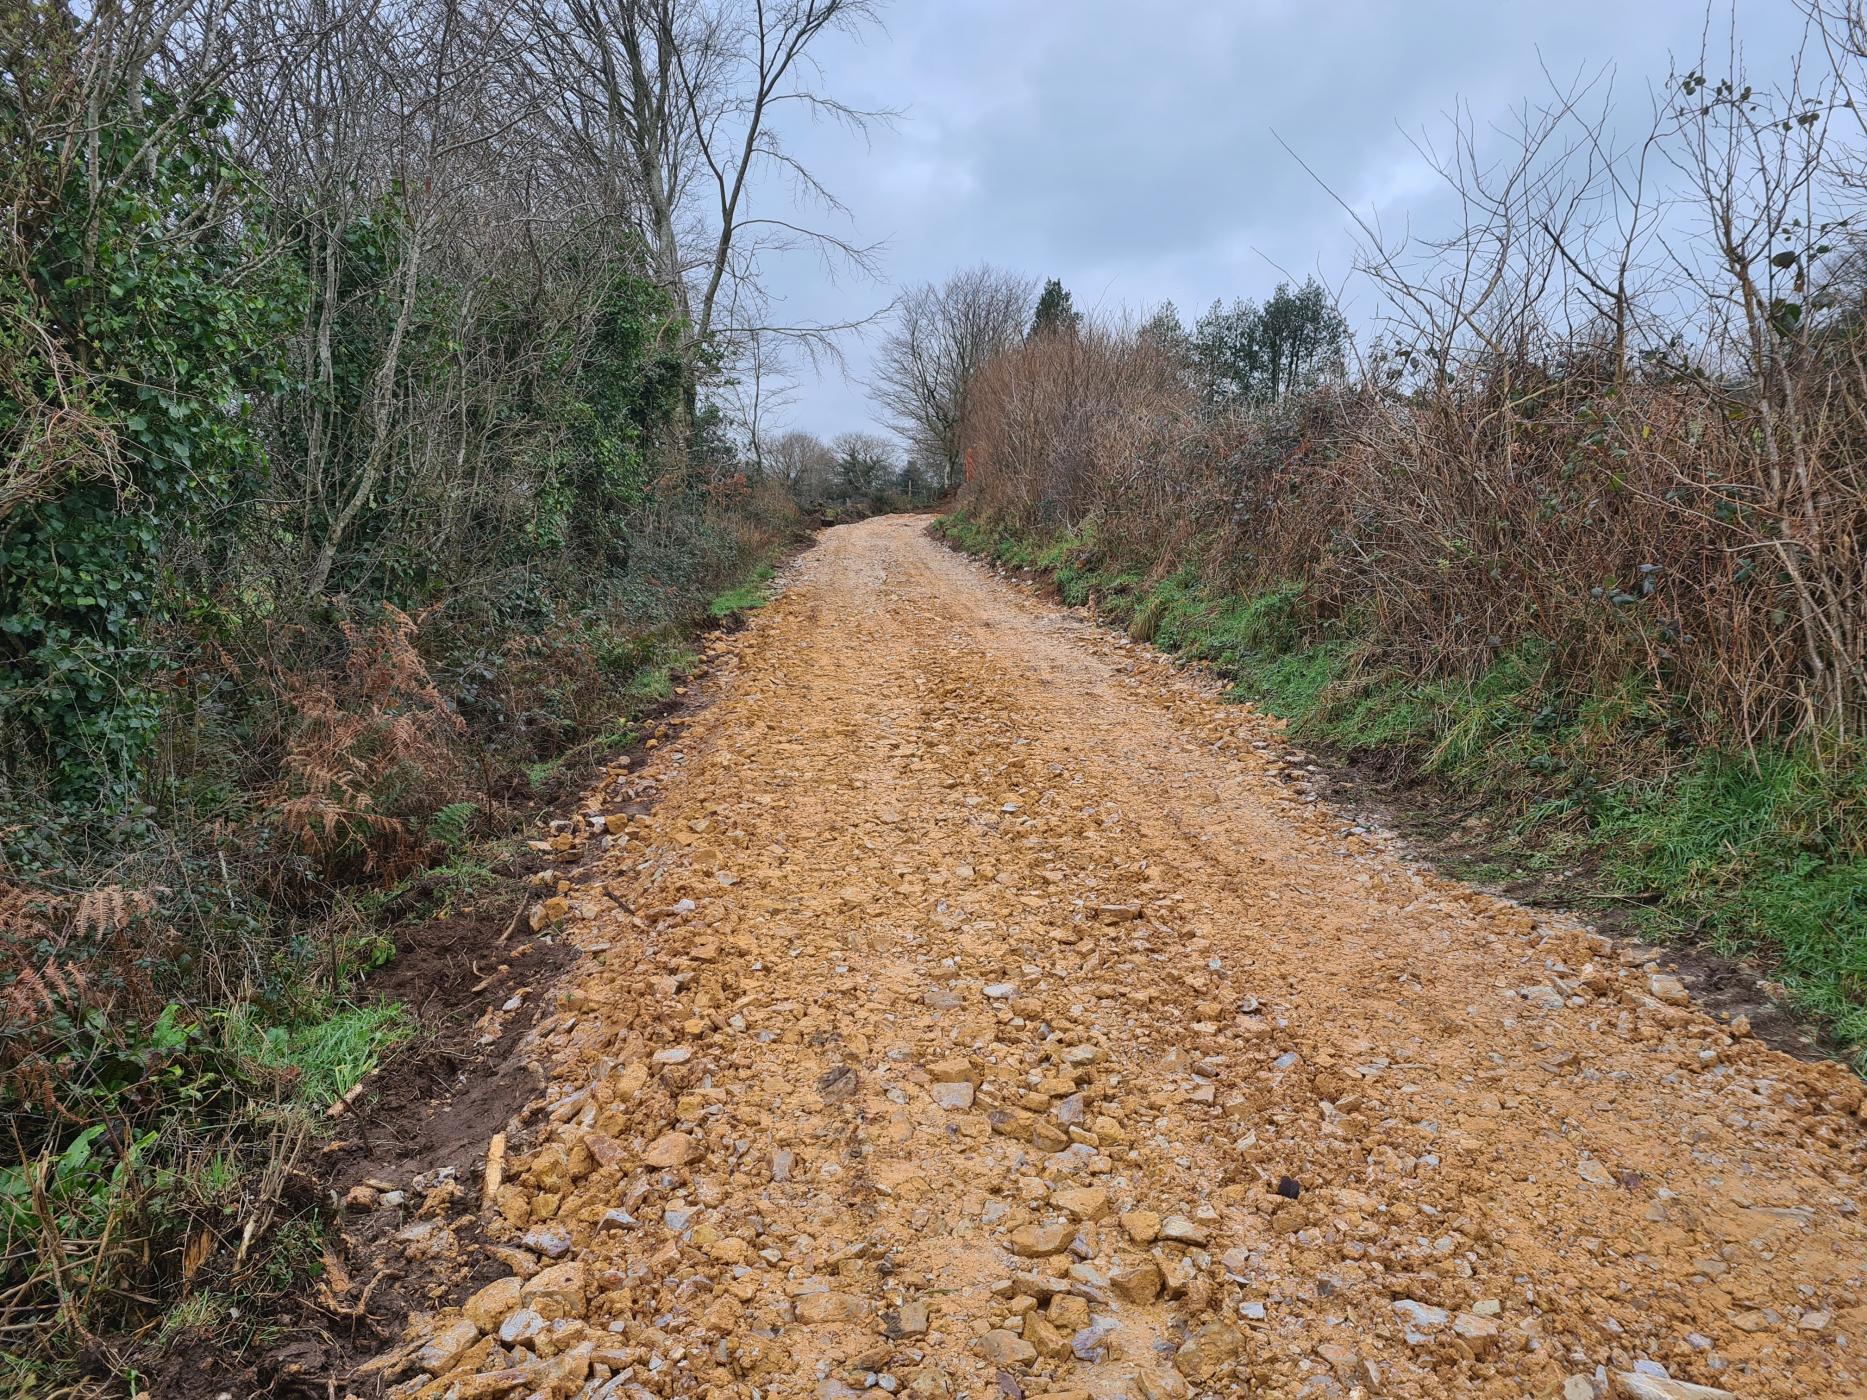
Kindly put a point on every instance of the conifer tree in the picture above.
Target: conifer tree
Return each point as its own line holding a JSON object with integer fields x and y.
{"x": 1054, "y": 311}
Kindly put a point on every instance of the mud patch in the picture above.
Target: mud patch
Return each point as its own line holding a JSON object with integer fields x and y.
{"x": 431, "y": 1106}
{"x": 446, "y": 1084}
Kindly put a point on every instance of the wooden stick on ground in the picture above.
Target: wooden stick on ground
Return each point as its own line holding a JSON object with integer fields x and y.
{"x": 495, "y": 1170}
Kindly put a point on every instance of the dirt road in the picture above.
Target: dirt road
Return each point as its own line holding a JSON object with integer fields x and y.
{"x": 979, "y": 1008}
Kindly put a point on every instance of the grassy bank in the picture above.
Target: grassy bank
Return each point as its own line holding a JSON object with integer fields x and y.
{"x": 1759, "y": 854}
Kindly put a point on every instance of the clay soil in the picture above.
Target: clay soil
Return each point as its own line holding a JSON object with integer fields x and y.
{"x": 971, "y": 1004}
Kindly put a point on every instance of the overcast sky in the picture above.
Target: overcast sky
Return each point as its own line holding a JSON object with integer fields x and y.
{"x": 1126, "y": 146}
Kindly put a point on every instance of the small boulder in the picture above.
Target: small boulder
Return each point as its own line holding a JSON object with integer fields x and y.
{"x": 1038, "y": 1241}
{"x": 1481, "y": 1333}
{"x": 1177, "y": 1229}
{"x": 955, "y": 1095}
{"x": 553, "y": 1244}
{"x": 1139, "y": 1284}
{"x": 522, "y": 1326}
{"x": 1082, "y": 1202}
{"x": 670, "y": 1150}
{"x": 443, "y": 1349}
{"x": 1668, "y": 989}
{"x": 1042, "y": 1334}
{"x": 816, "y": 1309}
{"x": 562, "y": 1284}
{"x": 492, "y": 1304}
{"x": 1002, "y": 1348}
{"x": 1208, "y": 1350}
{"x": 954, "y": 1070}
{"x": 909, "y": 1320}
{"x": 1142, "y": 1226}
{"x": 1638, "y": 1387}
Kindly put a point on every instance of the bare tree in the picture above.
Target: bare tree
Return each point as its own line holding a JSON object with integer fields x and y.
{"x": 1776, "y": 205}
{"x": 672, "y": 105}
{"x": 802, "y": 461}
{"x": 760, "y": 387}
{"x": 1716, "y": 246}
{"x": 942, "y": 337}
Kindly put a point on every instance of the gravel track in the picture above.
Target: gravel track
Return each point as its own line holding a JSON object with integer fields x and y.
{"x": 978, "y": 1007}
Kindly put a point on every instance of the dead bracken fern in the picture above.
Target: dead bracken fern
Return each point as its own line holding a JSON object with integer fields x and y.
{"x": 65, "y": 958}
{"x": 367, "y": 737}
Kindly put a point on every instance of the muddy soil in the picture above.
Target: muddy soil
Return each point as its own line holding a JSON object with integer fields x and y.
{"x": 973, "y": 1005}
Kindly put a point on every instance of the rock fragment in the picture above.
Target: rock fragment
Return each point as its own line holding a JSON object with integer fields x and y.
{"x": 670, "y": 1150}
{"x": 1139, "y": 1283}
{"x": 815, "y": 1309}
{"x": 1638, "y": 1387}
{"x": 1002, "y": 1348}
{"x": 561, "y": 1284}
{"x": 492, "y": 1304}
{"x": 908, "y": 1321}
{"x": 1142, "y": 1226}
{"x": 1668, "y": 989}
{"x": 445, "y": 1346}
{"x": 1037, "y": 1241}
{"x": 1209, "y": 1348}
{"x": 1177, "y": 1229}
{"x": 955, "y": 1096}
{"x": 1082, "y": 1202}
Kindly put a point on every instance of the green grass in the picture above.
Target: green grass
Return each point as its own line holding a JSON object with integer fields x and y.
{"x": 1001, "y": 546}
{"x": 619, "y": 736}
{"x": 754, "y": 592}
{"x": 240, "y": 1088}
{"x": 199, "y": 1312}
{"x": 1758, "y": 854}
{"x": 326, "y": 1057}
{"x": 655, "y": 681}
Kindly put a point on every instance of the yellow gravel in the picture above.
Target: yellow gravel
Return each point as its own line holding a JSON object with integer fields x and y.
{"x": 981, "y": 1008}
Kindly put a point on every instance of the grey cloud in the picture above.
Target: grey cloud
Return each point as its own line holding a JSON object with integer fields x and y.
{"x": 1127, "y": 148}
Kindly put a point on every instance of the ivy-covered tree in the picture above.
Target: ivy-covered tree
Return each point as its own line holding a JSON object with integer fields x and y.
{"x": 143, "y": 279}
{"x": 625, "y": 381}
